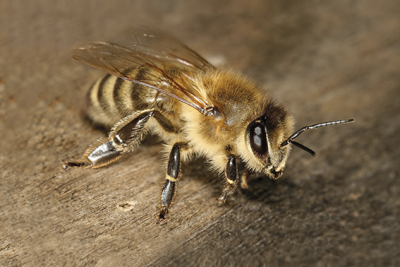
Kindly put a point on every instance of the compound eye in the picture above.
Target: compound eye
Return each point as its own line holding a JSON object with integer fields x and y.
{"x": 258, "y": 139}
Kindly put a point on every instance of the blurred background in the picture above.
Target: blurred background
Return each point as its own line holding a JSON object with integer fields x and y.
{"x": 324, "y": 60}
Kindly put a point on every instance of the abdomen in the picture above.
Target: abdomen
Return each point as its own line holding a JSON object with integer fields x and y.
{"x": 112, "y": 98}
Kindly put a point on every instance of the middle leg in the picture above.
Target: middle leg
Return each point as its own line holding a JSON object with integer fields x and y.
{"x": 231, "y": 178}
{"x": 169, "y": 189}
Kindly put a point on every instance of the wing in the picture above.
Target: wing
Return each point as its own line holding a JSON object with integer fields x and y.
{"x": 159, "y": 54}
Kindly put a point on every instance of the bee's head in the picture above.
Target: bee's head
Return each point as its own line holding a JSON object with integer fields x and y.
{"x": 267, "y": 140}
{"x": 264, "y": 137}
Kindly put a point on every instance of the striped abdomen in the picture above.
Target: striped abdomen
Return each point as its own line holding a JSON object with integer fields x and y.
{"x": 112, "y": 98}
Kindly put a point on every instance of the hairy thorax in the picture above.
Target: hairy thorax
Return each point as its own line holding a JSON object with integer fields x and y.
{"x": 237, "y": 100}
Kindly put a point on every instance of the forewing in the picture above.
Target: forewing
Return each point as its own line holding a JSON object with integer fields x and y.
{"x": 109, "y": 57}
{"x": 159, "y": 52}
{"x": 166, "y": 48}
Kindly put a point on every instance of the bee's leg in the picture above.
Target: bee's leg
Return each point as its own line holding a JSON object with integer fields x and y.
{"x": 231, "y": 178}
{"x": 123, "y": 137}
{"x": 168, "y": 191}
{"x": 245, "y": 176}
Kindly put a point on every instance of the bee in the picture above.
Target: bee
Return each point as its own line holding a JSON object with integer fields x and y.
{"x": 158, "y": 84}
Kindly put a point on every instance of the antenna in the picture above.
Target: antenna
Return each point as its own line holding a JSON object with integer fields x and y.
{"x": 298, "y": 132}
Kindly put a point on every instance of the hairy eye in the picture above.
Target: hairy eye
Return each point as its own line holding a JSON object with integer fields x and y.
{"x": 258, "y": 139}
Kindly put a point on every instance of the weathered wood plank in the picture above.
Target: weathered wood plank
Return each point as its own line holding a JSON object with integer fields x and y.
{"x": 325, "y": 60}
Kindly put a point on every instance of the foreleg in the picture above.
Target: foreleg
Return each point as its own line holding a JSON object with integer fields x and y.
{"x": 245, "y": 177}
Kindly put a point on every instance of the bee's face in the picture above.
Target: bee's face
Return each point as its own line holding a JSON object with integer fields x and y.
{"x": 264, "y": 137}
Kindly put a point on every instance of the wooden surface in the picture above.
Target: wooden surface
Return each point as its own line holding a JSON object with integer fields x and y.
{"x": 325, "y": 60}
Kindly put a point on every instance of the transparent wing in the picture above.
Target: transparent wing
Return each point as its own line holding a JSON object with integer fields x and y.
{"x": 157, "y": 51}
{"x": 166, "y": 48}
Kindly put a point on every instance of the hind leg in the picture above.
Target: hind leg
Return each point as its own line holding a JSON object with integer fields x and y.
{"x": 123, "y": 137}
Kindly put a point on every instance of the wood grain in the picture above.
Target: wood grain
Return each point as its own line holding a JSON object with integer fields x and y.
{"x": 324, "y": 60}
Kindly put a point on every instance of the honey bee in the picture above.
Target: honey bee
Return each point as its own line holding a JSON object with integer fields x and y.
{"x": 158, "y": 84}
